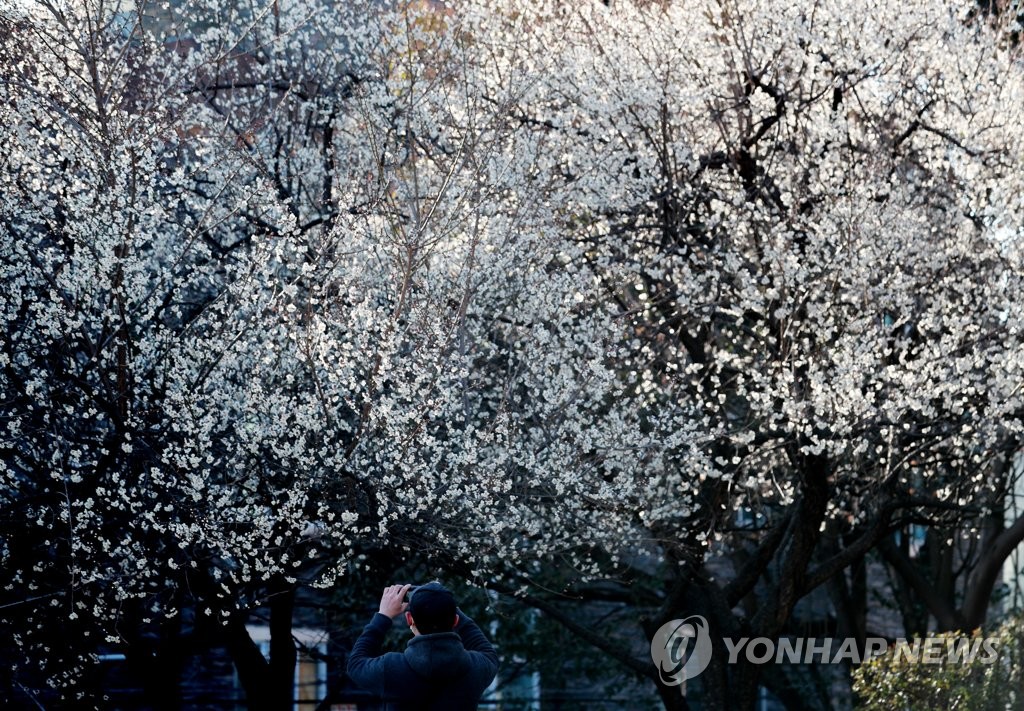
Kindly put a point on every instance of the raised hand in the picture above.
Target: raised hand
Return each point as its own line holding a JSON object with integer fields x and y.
{"x": 391, "y": 602}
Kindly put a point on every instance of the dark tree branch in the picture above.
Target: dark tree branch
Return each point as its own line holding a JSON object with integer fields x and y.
{"x": 987, "y": 573}
{"x": 947, "y": 617}
{"x": 748, "y": 576}
{"x": 851, "y": 553}
{"x": 592, "y": 637}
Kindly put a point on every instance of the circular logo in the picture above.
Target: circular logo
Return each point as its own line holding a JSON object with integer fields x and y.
{"x": 681, "y": 649}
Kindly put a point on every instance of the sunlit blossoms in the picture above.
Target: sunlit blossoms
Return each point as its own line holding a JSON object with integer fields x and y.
{"x": 505, "y": 284}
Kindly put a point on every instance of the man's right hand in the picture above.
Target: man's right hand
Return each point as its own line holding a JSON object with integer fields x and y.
{"x": 391, "y": 602}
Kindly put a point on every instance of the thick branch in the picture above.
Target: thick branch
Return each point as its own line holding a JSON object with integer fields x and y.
{"x": 748, "y": 576}
{"x": 803, "y": 533}
{"x": 591, "y": 636}
{"x": 987, "y": 573}
{"x": 947, "y": 617}
{"x": 851, "y": 553}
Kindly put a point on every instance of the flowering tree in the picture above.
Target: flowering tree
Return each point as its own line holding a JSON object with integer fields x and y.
{"x": 502, "y": 285}
{"x": 135, "y": 263}
{"x": 286, "y": 292}
{"x": 820, "y": 211}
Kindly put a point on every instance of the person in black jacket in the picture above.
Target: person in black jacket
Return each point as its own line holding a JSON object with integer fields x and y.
{"x": 448, "y": 664}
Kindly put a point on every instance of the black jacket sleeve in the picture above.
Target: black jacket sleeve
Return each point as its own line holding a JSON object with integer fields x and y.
{"x": 365, "y": 663}
{"x": 473, "y": 639}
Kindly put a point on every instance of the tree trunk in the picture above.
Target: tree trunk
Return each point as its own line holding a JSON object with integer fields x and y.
{"x": 282, "y": 646}
{"x": 163, "y": 683}
{"x": 672, "y": 698}
{"x": 268, "y": 685}
{"x": 251, "y": 666}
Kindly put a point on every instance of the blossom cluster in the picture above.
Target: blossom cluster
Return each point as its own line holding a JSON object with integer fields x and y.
{"x": 504, "y": 284}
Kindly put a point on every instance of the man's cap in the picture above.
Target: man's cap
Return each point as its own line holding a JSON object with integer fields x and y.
{"x": 432, "y": 606}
